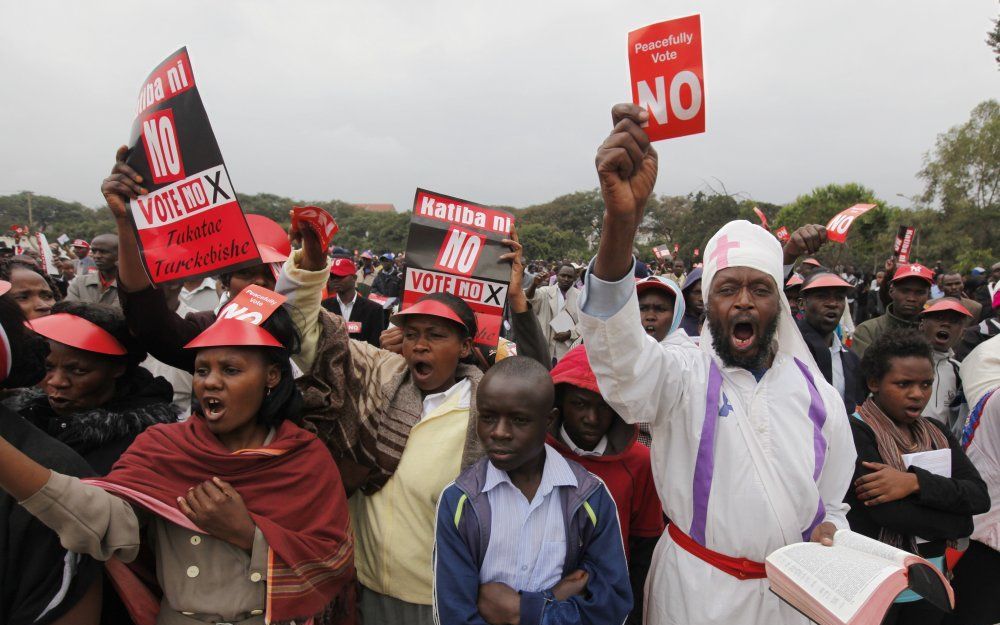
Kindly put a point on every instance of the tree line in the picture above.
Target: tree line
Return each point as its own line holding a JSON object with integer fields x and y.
{"x": 956, "y": 216}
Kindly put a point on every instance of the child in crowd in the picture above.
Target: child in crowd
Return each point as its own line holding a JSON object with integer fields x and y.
{"x": 588, "y": 431}
{"x": 661, "y": 306}
{"x": 896, "y": 502}
{"x": 525, "y": 535}
{"x": 942, "y": 323}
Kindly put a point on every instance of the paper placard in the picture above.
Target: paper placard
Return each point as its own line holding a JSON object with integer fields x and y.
{"x": 661, "y": 251}
{"x": 354, "y": 327}
{"x": 254, "y": 304}
{"x": 454, "y": 246}
{"x": 837, "y": 229}
{"x": 782, "y": 234}
{"x": 190, "y": 224}
{"x": 762, "y": 217}
{"x": 320, "y": 220}
{"x": 665, "y": 64}
{"x": 63, "y": 239}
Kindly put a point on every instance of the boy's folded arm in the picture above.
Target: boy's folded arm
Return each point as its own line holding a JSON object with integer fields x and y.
{"x": 608, "y": 598}
{"x": 456, "y": 574}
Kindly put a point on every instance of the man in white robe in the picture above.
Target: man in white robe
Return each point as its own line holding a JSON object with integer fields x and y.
{"x": 751, "y": 448}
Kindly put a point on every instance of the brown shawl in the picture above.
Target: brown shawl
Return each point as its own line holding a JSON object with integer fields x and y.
{"x": 891, "y": 447}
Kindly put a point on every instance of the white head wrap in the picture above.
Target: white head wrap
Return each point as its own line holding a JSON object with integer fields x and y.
{"x": 743, "y": 244}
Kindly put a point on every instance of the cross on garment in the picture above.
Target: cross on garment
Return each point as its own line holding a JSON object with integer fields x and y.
{"x": 726, "y": 407}
{"x": 721, "y": 252}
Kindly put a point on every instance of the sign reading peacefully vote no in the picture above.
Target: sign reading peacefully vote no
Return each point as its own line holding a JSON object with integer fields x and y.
{"x": 666, "y": 74}
{"x": 190, "y": 224}
{"x": 837, "y": 229}
{"x": 454, "y": 246}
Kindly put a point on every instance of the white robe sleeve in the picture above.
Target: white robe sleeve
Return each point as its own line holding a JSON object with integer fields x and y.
{"x": 841, "y": 456}
{"x": 641, "y": 379}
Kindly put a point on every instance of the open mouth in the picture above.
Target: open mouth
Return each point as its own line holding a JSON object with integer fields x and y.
{"x": 943, "y": 336}
{"x": 913, "y": 411}
{"x": 742, "y": 336}
{"x": 422, "y": 369}
{"x": 650, "y": 329}
{"x": 213, "y": 408}
{"x": 58, "y": 402}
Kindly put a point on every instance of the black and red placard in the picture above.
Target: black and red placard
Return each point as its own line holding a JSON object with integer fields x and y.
{"x": 190, "y": 224}
{"x": 455, "y": 246}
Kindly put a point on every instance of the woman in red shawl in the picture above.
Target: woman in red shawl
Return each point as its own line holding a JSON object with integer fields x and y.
{"x": 243, "y": 511}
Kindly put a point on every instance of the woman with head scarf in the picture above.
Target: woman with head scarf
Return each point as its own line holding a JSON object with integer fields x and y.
{"x": 243, "y": 510}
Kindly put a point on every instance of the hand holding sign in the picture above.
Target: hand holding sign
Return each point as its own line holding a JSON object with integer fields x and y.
{"x": 843, "y": 220}
{"x": 318, "y": 219}
{"x": 805, "y": 240}
{"x": 667, "y": 80}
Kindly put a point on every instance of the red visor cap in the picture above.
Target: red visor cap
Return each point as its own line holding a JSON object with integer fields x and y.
{"x": 947, "y": 305}
{"x": 343, "y": 267}
{"x": 77, "y": 332}
{"x": 793, "y": 282}
{"x": 267, "y": 232}
{"x": 914, "y": 270}
{"x": 827, "y": 281}
{"x": 654, "y": 283}
{"x": 431, "y": 308}
{"x": 233, "y": 333}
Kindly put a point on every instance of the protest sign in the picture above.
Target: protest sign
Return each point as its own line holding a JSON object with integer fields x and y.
{"x": 837, "y": 229}
{"x": 661, "y": 251}
{"x": 45, "y": 255}
{"x": 782, "y": 234}
{"x": 63, "y": 239}
{"x": 254, "y": 304}
{"x": 454, "y": 246}
{"x": 190, "y": 224}
{"x": 665, "y": 64}
{"x": 321, "y": 221}
{"x": 904, "y": 242}
{"x": 762, "y": 217}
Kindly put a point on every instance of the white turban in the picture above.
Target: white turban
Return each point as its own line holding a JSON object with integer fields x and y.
{"x": 743, "y": 244}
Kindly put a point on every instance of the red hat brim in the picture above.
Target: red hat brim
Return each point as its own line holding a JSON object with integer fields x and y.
{"x": 947, "y": 305}
{"x": 77, "y": 332}
{"x": 826, "y": 281}
{"x": 430, "y": 308}
{"x": 267, "y": 232}
{"x": 813, "y": 262}
{"x": 270, "y": 255}
{"x": 233, "y": 333}
{"x": 653, "y": 283}
{"x": 4, "y": 287}
{"x": 793, "y": 282}
{"x": 81, "y": 243}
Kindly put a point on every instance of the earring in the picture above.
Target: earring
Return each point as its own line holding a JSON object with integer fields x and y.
{"x": 268, "y": 392}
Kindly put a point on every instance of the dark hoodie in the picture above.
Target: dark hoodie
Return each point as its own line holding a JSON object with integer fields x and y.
{"x": 102, "y": 434}
{"x": 626, "y": 471}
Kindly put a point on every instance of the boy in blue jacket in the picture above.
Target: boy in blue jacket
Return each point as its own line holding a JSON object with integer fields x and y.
{"x": 525, "y": 535}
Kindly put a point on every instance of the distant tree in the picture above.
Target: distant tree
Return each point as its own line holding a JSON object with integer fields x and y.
{"x": 962, "y": 177}
{"x": 993, "y": 40}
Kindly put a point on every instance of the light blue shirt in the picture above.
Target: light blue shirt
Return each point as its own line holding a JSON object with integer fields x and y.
{"x": 527, "y": 546}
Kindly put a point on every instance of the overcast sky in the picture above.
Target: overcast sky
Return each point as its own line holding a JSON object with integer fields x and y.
{"x": 496, "y": 102}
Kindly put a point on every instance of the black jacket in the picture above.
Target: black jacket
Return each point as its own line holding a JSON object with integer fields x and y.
{"x": 369, "y": 314}
{"x": 102, "y": 434}
{"x": 389, "y": 284}
{"x": 943, "y": 508}
{"x": 855, "y": 389}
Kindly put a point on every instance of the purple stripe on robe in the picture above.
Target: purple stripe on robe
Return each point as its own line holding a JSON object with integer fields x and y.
{"x": 705, "y": 464}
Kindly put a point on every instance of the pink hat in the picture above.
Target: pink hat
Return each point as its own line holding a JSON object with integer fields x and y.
{"x": 825, "y": 281}
{"x": 233, "y": 333}
{"x": 794, "y": 281}
{"x": 946, "y": 304}
{"x": 77, "y": 332}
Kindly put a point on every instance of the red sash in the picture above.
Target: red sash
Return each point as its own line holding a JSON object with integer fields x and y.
{"x": 740, "y": 568}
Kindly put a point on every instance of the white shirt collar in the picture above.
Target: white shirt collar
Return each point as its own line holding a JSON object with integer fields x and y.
{"x": 463, "y": 388}
{"x": 556, "y": 472}
{"x": 345, "y": 303}
{"x": 836, "y": 346}
{"x": 599, "y": 449}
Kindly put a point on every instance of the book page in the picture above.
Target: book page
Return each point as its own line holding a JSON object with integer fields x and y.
{"x": 838, "y": 578}
{"x": 860, "y": 542}
{"x": 937, "y": 462}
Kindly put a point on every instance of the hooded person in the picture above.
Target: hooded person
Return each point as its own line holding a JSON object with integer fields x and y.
{"x": 694, "y": 305}
{"x": 244, "y": 511}
{"x": 588, "y": 431}
{"x": 42, "y": 582}
{"x": 748, "y": 417}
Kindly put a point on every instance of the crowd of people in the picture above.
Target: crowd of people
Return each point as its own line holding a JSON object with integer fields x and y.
{"x": 661, "y": 429}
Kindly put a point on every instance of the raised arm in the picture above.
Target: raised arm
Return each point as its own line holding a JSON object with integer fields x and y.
{"x": 527, "y": 331}
{"x": 122, "y": 185}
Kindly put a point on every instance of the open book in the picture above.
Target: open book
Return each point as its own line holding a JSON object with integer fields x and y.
{"x": 854, "y": 581}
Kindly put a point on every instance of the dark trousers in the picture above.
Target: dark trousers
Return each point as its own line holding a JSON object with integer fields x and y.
{"x": 977, "y": 586}
{"x": 914, "y": 613}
